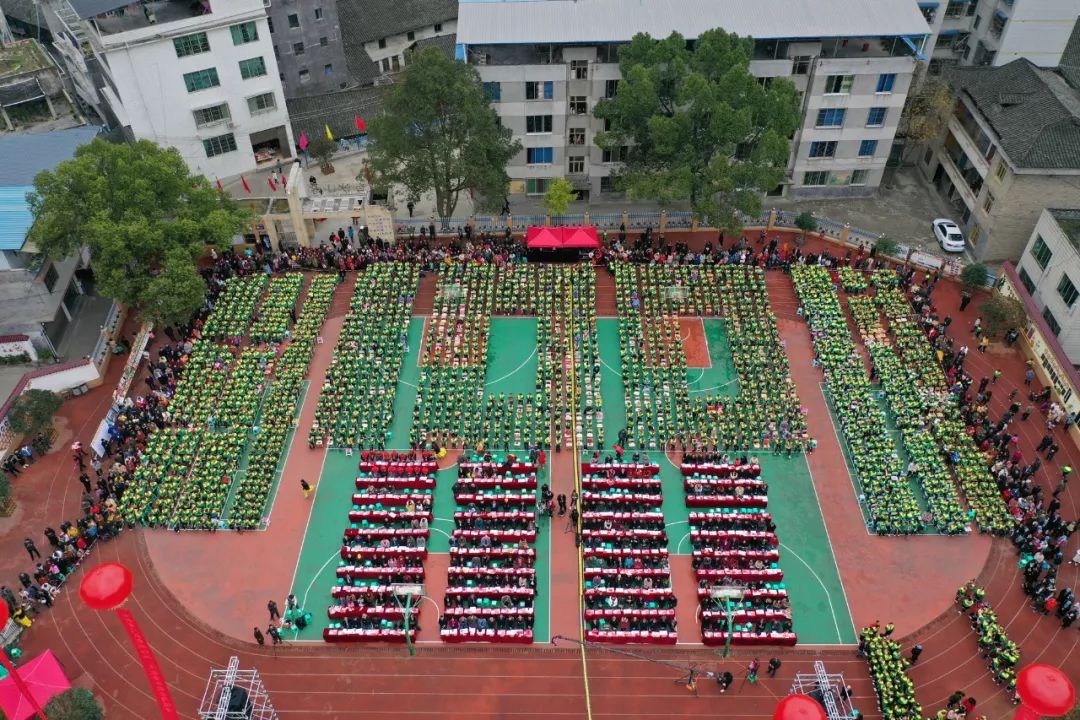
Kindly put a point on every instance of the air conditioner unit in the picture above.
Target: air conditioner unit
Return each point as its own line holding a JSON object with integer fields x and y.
{"x": 230, "y": 124}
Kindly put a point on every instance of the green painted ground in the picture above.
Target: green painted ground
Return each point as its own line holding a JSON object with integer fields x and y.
{"x": 720, "y": 379}
{"x": 511, "y": 357}
{"x": 611, "y": 385}
{"x": 405, "y": 396}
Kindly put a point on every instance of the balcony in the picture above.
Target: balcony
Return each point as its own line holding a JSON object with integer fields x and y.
{"x": 962, "y": 172}
{"x": 961, "y": 139}
{"x": 515, "y": 55}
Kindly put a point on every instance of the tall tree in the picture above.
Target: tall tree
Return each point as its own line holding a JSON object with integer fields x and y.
{"x": 697, "y": 126}
{"x": 438, "y": 133}
{"x": 145, "y": 218}
{"x": 926, "y": 112}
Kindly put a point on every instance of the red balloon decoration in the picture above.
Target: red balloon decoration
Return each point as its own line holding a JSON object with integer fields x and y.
{"x": 799, "y": 707}
{"x": 5, "y": 615}
{"x": 1044, "y": 690}
{"x": 106, "y": 587}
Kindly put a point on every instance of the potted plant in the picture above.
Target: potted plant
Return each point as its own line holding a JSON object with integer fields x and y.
{"x": 806, "y": 222}
{"x": 32, "y": 412}
{"x": 323, "y": 149}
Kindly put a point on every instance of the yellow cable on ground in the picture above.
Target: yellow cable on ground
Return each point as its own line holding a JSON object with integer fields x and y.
{"x": 577, "y": 488}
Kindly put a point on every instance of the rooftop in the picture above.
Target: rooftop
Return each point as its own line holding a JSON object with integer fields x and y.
{"x": 1069, "y": 222}
{"x": 369, "y": 20}
{"x": 114, "y": 17}
{"x": 15, "y": 216}
{"x": 28, "y": 153}
{"x": 613, "y": 21}
{"x": 1034, "y": 111}
{"x": 23, "y": 56}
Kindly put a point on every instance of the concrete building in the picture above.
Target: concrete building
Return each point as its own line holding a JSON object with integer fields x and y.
{"x": 548, "y": 63}
{"x": 40, "y": 298}
{"x": 1049, "y": 269}
{"x": 32, "y": 90}
{"x": 384, "y": 30}
{"x": 308, "y": 45}
{"x": 201, "y": 76}
{"x": 996, "y": 32}
{"x": 1011, "y": 147}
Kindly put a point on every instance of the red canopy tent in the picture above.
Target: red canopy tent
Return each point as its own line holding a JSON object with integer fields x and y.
{"x": 43, "y": 676}
{"x": 562, "y": 238}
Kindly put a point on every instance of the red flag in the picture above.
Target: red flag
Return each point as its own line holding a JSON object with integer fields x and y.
{"x": 284, "y": 182}
{"x": 243, "y": 181}
{"x": 303, "y": 142}
{"x": 360, "y": 124}
{"x": 218, "y": 181}
{"x": 273, "y": 185}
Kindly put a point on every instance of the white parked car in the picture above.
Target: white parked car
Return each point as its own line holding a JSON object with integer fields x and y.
{"x": 948, "y": 235}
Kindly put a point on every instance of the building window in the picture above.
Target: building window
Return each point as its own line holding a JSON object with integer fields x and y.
{"x": 539, "y": 90}
{"x": 800, "y": 65}
{"x": 577, "y": 164}
{"x": 493, "y": 90}
{"x": 988, "y": 204}
{"x": 823, "y": 149}
{"x": 867, "y": 148}
{"x": 1040, "y": 252}
{"x": 858, "y": 177}
{"x": 1001, "y": 171}
{"x": 395, "y": 63}
{"x": 1067, "y": 291}
{"x": 324, "y": 41}
{"x": 610, "y": 88}
{"x": 328, "y": 70}
{"x": 838, "y": 84}
{"x": 830, "y": 117}
{"x": 294, "y": 20}
{"x": 535, "y": 124}
{"x": 305, "y": 77}
{"x": 219, "y": 145}
{"x": 997, "y": 24}
{"x": 201, "y": 79}
{"x": 318, "y": 13}
{"x": 538, "y": 156}
{"x": 270, "y": 24}
{"x": 262, "y": 103}
{"x": 298, "y": 48}
{"x": 410, "y": 36}
{"x": 929, "y": 12}
{"x": 885, "y": 82}
{"x": 876, "y": 116}
{"x": 191, "y": 44}
{"x": 577, "y": 136}
{"x": 1048, "y": 316}
{"x": 579, "y": 69}
{"x": 607, "y": 184}
{"x": 211, "y": 115}
{"x": 51, "y": 276}
{"x": 765, "y": 82}
{"x": 619, "y": 154}
{"x": 382, "y": 43}
{"x": 956, "y": 9}
{"x": 817, "y": 177}
{"x": 244, "y": 33}
{"x": 252, "y": 67}
{"x": 928, "y": 156}
{"x": 386, "y": 65}
{"x": 438, "y": 27}
{"x": 579, "y": 105}
{"x": 536, "y": 186}
{"x": 1026, "y": 281}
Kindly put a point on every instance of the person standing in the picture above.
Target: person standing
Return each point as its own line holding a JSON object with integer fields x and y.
{"x": 411, "y": 206}
{"x": 965, "y": 300}
{"x": 724, "y": 680}
{"x": 275, "y": 634}
{"x": 306, "y": 487}
{"x": 752, "y": 670}
{"x": 916, "y": 651}
{"x": 259, "y": 638}
{"x": 955, "y": 698}
{"x": 1029, "y": 376}
{"x": 774, "y": 665}
{"x": 889, "y": 628}
{"x": 273, "y": 608}
{"x": 31, "y": 549}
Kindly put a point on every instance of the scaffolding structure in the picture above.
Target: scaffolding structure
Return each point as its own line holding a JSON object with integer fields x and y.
{"x": 825, "y": 687}
{"x": 235, "y": 694}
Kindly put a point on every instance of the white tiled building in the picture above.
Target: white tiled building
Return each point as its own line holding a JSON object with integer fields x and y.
{"x": 1049, "y": 269}
{"x": 548, "y": 62}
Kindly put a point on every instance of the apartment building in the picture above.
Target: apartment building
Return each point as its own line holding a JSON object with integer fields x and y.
{"x": 307, "y": 43}
{"x": 200, "y": 76}
{"x": 384, "y": 30}
{"x": 1011, "y": 147}
{"x": 996, "y": 32}
{"x": 547, "y": 64}
{"x": 1049, "y": 269}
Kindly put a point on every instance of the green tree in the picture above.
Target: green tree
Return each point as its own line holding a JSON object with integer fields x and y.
{"x": 927, "y": 111}
{"x": 74, "y": 704}
{"x": 558, "y": 197}
{"x": 145, "y": 218}
{"x": 322, "y": 149}
{"x": 1001, "y": 313}
{"x": 975, "y": 276}
{"x": 32, "y": 412}
{"x": 438, "y": 133}
{"x": 697, "y": 126}
{"x": 885, "y": 245}
{"x": 806, "y": 222}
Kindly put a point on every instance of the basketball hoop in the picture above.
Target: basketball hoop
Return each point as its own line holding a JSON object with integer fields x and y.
{"x": 407, "y": 591}
{"x": 727, "y": 592}
{"x": 404, "y": 589}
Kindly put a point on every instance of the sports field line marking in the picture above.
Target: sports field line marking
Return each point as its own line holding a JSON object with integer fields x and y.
{"x": 828, "y": 595}
{"x": 311, "y": 511}
{"x": 619, "y": 374}
{"x": 678, "y": 548}
{"x": 715, "y": 387}
{"x": 514, "y": 371}
{"x": 316, "y": 576}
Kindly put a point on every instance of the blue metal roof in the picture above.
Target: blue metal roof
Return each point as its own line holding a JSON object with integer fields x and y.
{"x": 26, "y": 154}
{"x": 15, "y": 216}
